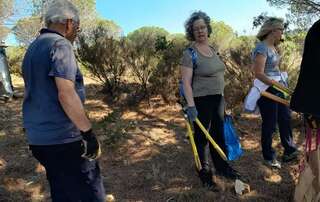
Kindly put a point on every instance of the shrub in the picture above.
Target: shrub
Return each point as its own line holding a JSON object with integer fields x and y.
{"x": 104, "y": 58}
{"x": 238, "y": 70}
{"x": 290, "y": 53}
{"x": 142, "y": 59}
{"x": 15, "y": 56}
{"x": 166, "y": 75}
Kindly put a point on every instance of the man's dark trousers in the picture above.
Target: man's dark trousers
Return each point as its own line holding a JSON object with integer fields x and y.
{"x": 71, "y": 177}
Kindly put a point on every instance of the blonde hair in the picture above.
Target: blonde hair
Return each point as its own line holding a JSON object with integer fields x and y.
{"x": 268, "y": 26}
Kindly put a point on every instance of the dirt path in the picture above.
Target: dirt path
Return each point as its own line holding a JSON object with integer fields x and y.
{"x": 146, "y": 156}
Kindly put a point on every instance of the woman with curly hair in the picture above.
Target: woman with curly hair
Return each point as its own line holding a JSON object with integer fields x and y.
{"x": 203, "y": 84}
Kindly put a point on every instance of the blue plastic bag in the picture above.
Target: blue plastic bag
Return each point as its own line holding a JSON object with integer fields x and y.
{"x": 232, "y": 142}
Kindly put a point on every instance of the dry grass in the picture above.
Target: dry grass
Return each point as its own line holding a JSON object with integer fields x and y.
{"x": 146, "y": 156}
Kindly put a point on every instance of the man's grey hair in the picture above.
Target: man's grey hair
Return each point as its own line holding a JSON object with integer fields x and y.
{"x": 59, "y": 11}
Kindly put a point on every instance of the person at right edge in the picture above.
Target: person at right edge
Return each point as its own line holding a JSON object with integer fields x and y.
{"x": 57, "y": 128}
{"x": 266, "y": 68}
{"x": 305, "y": 99}
{"x": 203, "y": 88}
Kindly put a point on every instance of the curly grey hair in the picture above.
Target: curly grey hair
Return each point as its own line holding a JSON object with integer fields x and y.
{"x": 59, "y": 11}
{"x": 194, "y": 17}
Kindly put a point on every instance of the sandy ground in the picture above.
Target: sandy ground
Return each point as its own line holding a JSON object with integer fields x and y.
{"x": 146, "y": 156}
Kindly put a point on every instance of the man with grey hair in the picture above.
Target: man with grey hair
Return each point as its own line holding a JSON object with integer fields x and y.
{"x": 57, "y": 128}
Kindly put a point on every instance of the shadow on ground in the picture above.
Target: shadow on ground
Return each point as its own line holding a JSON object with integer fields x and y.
{"x": 146, "y": 156}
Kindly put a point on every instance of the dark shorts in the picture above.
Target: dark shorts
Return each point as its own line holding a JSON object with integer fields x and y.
{"x": 71, "y": 177}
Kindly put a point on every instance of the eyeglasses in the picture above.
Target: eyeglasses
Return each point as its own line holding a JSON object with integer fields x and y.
{"x": 200, "y": 28}
{"x": 280, "y": 29}
{"x": 76, "y": 26}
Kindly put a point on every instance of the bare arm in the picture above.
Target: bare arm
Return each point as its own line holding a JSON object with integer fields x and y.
{"x": 258, "y": 69}
{"x": 72, "y": 104}
{"x": 187, "y": 81}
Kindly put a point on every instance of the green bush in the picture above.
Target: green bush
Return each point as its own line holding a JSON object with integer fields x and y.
{"x": 167, "y": 73}
{"x": 291, "y": 52}
{"x": 143, "y": 56}
{"x": 105, "y": 58}
{"x": 238, "y": 70}
{"x": 15, "y": 56}
{"x": 151, "y": 58}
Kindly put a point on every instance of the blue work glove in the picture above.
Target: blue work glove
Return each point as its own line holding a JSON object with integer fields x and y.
{"x": 192, "y": 113}
{"x": 92, "y": 148}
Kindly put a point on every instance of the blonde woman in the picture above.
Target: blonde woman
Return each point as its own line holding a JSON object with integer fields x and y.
{"x": 266, "y": 69}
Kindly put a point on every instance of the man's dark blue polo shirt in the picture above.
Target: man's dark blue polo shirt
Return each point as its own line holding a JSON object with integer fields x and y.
{"x": 49, "y": 56}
